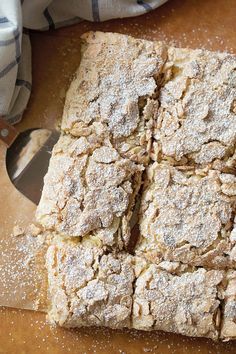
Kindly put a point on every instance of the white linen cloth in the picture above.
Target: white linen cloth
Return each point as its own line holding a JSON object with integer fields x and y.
{"x": 16, "y": 17}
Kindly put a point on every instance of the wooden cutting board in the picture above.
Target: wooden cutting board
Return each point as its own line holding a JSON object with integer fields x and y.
{"x": 209, "y": 24}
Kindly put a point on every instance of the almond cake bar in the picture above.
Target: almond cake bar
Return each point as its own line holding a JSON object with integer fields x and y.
{"x": 115, "y": 85}
{"x": 196, "y": 118}
{"x": 89, "y": 190}
{"x": 88, "y": 287}
{"x": 143, "y": 112}
{"x": 188, "y": 216}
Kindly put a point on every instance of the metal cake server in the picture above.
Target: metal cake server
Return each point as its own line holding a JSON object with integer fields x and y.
{"x": 29, "y": 181}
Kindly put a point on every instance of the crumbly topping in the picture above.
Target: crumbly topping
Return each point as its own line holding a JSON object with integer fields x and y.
{"x": 89, "y": 190}
{"x": 88, "y": 287}
{"x": 132, "y": 100}
{"x": 187, "y": 303}
{"x": 187, "y": 217}
{"x": 197, "y": 117}
{"x": 113, "y": 86}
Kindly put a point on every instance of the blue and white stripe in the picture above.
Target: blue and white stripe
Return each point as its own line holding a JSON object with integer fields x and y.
{"x": 145, "y": 5}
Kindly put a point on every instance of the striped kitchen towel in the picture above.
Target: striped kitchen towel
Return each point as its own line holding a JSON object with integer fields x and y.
{"x": 16, "y": 17}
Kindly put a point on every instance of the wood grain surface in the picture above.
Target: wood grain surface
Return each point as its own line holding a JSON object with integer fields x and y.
{"x": 209, "y": 24}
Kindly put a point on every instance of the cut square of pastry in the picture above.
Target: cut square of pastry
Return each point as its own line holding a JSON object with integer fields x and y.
{"x": 188, "y": 216}
{"x": 196, "y": 121}
{"x": 116, "y": 85}
{"x": 177, "y": 298}
{"x": 88, "y": 287}
{"x": 89, "y": 190}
